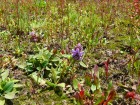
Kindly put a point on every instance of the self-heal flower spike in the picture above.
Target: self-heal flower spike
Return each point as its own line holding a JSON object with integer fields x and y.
{"x": 79, "y": 46}
{"x": 77, "y": 52}
{"x": 34, "y": 37}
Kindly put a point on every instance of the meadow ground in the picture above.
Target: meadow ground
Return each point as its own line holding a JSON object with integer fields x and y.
{"x": 69, "y": 52}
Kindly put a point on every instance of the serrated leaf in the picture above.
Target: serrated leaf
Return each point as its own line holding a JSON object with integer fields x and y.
{"x": 10, "y": 95}
{"x": 83, "y": 65}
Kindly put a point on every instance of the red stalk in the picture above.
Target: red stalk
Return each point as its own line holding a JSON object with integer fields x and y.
{"x": 106, "y": 67}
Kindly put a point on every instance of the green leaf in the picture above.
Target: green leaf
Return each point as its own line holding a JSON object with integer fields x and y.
{"x": 8, "y": 87}
{"x": 99, "y": 100}
{"x": 56, "y": 59}
{"x": 88, "y": 80}
{"x": 138, "y": 37}
{"x": 37, "y": 78}
{"x": 110, "y": 85}
{"x": 22, "y": 66}
{"x": 51, "y": 84}
{"x": 66, "y": 56}
{"x": 38, "y": 68}
{"x": 54, "y": 75}
{"x": 61, "y": 85}
{"x": 29, "y": 64}
{"x": 10, "y": 95}
{"x": 93, "y": 88}
{"x": 83, "y": 65}
{"x": 2, "y": 101}
{"x": 5, "y": 74}
{"x": 75, "y": 83}
{"x": 15, "y": 81}
{"x": 18, "y": 85}
{"x": 47, "y": 68}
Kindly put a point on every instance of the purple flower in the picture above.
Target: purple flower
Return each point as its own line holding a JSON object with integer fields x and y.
{"x": 77, "y": 52}
{"x": 33, "y": 33}
{"x": 34, "y": 37}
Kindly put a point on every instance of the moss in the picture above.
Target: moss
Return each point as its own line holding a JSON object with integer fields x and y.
{"x": 44, "y": 98}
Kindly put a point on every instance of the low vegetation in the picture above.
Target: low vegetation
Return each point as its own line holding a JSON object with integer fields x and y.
{"x": 69, "y": 52}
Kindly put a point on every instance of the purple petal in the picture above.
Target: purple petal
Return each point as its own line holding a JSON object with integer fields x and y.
{"x": 73, "y": 52}
{"x": 81, "y": 53}
{"x": 77, "y": 52}
{"x": 79, "y": 45}
{"x": 32, "y": 33}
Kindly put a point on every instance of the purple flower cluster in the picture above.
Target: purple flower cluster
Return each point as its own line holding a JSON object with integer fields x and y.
{"x": 77, "y": 52}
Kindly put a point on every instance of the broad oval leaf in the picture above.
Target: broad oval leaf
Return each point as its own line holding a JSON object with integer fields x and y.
{"x": 8, "y": 87}
{"x": 10, "y": 95}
